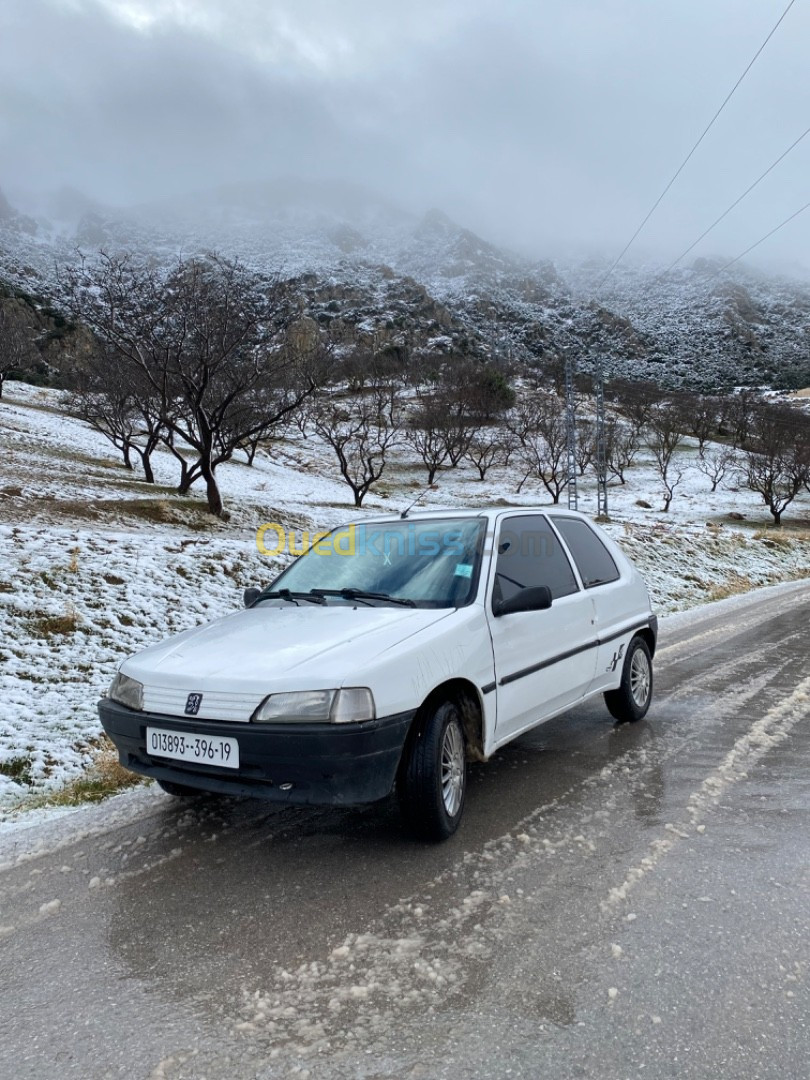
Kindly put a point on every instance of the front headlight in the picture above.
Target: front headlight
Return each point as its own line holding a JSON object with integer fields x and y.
{"x": 317, "y": 707}
{"x": 126, "y": 691}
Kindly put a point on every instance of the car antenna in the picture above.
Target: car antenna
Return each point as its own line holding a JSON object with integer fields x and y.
{"x": 408, "y": 509}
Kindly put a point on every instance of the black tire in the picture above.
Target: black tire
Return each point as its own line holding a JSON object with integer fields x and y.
{"x": 433, "y": 783}
{"x": 631, "y": 701}
{"x": 181, "y": 791}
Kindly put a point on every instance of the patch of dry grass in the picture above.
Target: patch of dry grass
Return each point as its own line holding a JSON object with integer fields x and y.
{"x": 732, "y": 586}
{"x": 191, "y": 513}
{"x": 55, "y": 625}
{"x": 17, "y": 769}
{"x": 799, "y": 574}
{"x": 133, "y": 482}
{"x": 87, "y": 461}
{"x": 774, "y": 538}
{"x": 35, "y": 406}
{"x": 104, "y": 778}
{"x": 785, "y": 535}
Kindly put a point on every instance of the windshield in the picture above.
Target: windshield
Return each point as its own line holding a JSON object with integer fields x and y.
{"x": 432, "y": 563}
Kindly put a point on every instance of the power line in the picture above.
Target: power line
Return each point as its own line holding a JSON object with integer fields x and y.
{"x": 736, "y": 203}
{"x": 689, "y": 156}
{"x": 767, "y": 236}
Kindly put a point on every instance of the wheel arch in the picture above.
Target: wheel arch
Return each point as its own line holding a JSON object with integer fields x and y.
{"x": 648, "y": 637}
{"x": 468, "y": 698}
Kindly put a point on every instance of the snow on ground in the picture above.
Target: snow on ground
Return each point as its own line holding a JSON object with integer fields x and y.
{"x": 95, "y": 564}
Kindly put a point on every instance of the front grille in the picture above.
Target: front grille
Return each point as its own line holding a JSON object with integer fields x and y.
{"x": 215, "y": 705}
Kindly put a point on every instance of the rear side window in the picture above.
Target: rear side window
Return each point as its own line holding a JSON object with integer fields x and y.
{"x": 594, "y": 561}
{"x": 529, "y": 554}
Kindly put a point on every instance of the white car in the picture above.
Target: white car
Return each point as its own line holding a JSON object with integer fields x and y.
{"x": 389, "y": 655}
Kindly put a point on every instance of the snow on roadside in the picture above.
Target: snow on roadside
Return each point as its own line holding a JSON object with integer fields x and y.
{"x": 77, "y": 604}
{"x": 686, "y": 566}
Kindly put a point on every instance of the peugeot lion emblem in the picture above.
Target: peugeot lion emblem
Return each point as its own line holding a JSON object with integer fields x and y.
{"x": 193, "y": 702}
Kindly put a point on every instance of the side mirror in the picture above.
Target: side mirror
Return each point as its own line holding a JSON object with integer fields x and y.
{"x": 251, "y": 596}
{"x": 537, "y": 598}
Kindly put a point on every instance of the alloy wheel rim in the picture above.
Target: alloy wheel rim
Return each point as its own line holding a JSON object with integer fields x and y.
{"x": 640, "y": 677}
{"x": 452, "y": 769}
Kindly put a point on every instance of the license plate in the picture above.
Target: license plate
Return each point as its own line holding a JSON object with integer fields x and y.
{"x": 200, "y": 749}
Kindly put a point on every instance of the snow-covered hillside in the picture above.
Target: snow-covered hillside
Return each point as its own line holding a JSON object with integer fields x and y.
{"x": 692, "y": 326}
{"x": 95, "y": 564}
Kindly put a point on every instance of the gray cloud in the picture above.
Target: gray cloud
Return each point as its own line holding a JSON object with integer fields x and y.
{"x": 543, "y": 124}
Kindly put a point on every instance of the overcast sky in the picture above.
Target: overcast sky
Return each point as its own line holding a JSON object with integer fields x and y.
{"x": 541, "y": 123}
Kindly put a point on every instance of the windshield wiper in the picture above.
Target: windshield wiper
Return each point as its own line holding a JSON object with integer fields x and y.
{"x": 362, "y": 595}
{"x": 290, "y": 597}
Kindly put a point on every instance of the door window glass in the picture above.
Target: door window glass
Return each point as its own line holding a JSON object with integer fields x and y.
{"x": 530, "y": 554}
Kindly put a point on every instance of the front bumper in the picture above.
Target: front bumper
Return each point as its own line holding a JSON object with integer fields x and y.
{"x": 326, "y": 764}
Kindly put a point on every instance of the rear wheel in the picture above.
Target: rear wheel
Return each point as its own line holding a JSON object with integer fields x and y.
{"x": 434, "y": 782}
{"x": 179, "y": 790}
{"x": 632, "y": 699}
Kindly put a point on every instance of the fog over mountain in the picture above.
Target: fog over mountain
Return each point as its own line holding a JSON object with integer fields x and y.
{"x": 369, "y": 272}
{"x": 549, "y": 128}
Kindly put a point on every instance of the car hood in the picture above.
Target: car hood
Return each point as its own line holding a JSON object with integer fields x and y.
{"x": 267, "y": 647}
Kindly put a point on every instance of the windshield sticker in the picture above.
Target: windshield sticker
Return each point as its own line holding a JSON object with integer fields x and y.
{"x": 463, "y": 570}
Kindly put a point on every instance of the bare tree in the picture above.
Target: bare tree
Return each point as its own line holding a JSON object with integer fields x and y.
{"x": 739, "y": 413}
{"x": 700, "y": 416}
{"x": 586, "y": 445}
{"x": 250, "y": 447}
{"x": 621, "y": 448}
{"x": 441, "y": 430}
{"x": 426, "y": 435}
{"x": 108, "y": 412}
{"x": 776, "y": 456}
{"x": 361, "y": 429}
{"x": 666, "y": 434}
{"x": 486, "y": 450}
{"x": 509, "y": 446}
{"x": 300, "y": 419}
{"x": 209, "y": 341}
{"x": 152, "y": 428}
{"x": 17, "y": 348}
{"x": 457, "y": 433}
{"x": 521, "y": 425}
{"x": 455, "y": 404}
{"x": 110, "y": 397}
{"x": 636, "y": 401}
{"x": 550, "y": 375}
{"x": 543, "y": 451}
{"x": 717, "y": 464}
{"x": 184, "y": 459}
{"x": 520, "y": 420}
{"x": 386, "y": 359}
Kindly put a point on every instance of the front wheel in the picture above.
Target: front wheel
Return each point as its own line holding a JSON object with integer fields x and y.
{"x": 632, "y": 699}
{"x": 434, "y": 783}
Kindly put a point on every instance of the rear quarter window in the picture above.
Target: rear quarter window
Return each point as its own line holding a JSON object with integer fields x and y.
{"x": 594, "y": 561}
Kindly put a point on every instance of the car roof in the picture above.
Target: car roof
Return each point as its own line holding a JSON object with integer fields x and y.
{"x": 489, "y": 512}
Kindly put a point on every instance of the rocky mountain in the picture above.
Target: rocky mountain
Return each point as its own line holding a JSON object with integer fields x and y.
{"x": 371, "y": 270}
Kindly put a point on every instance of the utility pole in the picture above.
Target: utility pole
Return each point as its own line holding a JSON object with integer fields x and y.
{"x": 601, "y": 442}
{"x": 571, "y": 430}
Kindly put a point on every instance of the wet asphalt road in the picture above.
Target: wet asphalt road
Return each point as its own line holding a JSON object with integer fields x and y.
{"x": 619, "y": 902}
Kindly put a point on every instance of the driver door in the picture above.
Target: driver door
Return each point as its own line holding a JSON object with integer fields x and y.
{"x": 544, "y": 660}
